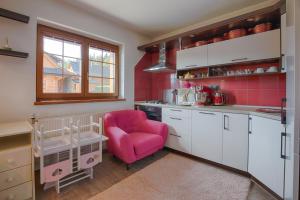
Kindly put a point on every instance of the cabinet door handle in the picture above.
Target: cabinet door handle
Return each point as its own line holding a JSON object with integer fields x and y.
{"x": 282, "y": 155}
{"x": 239, "y": 59}
{"x": 175, "y": 118}
{"x": 175, "y": 135}
{"x": 226, "y": 117}
{"x": 250, "y": 125}
{"x": 176, "y": 110}
{"x": 190, "y": 66}
{"x": 207, "y": 113}
{"x": 283, "y": 111}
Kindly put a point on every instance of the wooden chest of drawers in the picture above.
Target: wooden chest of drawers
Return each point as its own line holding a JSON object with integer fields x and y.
{"x": 16, "y": 162}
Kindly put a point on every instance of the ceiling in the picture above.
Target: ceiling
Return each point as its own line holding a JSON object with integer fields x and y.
{"x": 156, "y": 17}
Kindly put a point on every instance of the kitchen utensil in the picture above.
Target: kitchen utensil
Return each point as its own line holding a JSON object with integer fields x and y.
{"x": 236, "y": 33}
{"x": 219, "y": 99}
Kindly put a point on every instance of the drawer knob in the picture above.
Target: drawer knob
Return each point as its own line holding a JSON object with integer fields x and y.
{"x": 11, "y": 197}
{"x": 10, "y": 179}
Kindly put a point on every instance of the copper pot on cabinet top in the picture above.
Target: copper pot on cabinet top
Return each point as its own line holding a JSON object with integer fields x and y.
{"x": 236, "y": 33}
{"x": 217, "y": 39}
{"x": 200, "y": 43}
{"x": 259, "y": 28}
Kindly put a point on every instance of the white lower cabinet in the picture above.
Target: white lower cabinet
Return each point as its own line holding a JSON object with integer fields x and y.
{"x": 265, "y": 150}
{"x": 235, "y": 141}
{"x": 179, "y": 124}
{"x": 207, "y": 135}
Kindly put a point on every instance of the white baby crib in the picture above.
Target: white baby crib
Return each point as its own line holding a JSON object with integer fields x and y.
{"x": 68, "y": 147}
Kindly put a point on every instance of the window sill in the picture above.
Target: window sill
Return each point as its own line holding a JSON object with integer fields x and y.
{"x": 51, "y": 102}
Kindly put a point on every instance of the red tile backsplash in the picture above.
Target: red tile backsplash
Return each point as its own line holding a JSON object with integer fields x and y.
{"x": 260, "y": 90}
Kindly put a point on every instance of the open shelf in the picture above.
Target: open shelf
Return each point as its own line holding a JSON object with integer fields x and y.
{"x": 14, "y": 16}
{"x": 239, "y": 75}
{"x": 18, "y": 54}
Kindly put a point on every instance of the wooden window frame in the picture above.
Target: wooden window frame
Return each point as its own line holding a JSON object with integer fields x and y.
{"x": 85, "y": 42}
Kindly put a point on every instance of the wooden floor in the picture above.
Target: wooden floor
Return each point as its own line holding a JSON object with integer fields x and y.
{"x": 110, "y": 172}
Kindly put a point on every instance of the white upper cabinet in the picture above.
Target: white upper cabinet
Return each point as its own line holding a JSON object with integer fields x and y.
{"x": 235, "y": 141}
{"x": 207, "y": 135}
{"x": 265, "y": 150}
{"x": 259, "y": 46}
{"x": 192, "y": 57}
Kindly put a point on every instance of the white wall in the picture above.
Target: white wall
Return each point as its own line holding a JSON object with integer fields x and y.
{"x": 17, "y": 76}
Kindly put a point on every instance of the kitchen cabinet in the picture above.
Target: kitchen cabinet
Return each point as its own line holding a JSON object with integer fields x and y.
{"x": 179, "y": 124}
{"x": 207, "y": 135}
{"x": 192, "y": 57}
{"x": 235, "y": 141}
{"x": 265, "y": 152}
{"x": 259, "y": 46}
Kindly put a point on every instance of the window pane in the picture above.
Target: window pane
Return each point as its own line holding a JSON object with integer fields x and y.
{"x": 95, "y": 54}
{"x": 72, "y": 66}
{"x": 52, "y": 63}
{"x": 95, "y": 85}
{"x": 52, "y": 83}
{"x": 108, "y": 85}
{"x": 108, "y": 57}
{"x": 72, "y": 49}
{"x": 108, "y": 70}
{"x": 71, "y": 84}
{"x": 53, "y": 46}
{"x": 95, "y": 69}
{"x": 52, "y": 73}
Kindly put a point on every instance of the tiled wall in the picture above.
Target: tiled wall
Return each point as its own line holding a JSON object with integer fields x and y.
{"x": 261, "y": 90}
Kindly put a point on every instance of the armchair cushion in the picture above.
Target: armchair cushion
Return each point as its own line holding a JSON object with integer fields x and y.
{"x": 144, "y": 143}
{"x": 132, "y": 136}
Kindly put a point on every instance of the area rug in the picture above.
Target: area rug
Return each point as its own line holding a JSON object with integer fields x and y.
{"x": 176, "y": 177}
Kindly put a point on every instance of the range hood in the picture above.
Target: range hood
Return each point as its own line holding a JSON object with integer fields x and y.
{"x": 162, "y": 65}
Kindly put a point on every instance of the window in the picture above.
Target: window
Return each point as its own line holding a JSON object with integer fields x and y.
{"x": 73, "y": 67}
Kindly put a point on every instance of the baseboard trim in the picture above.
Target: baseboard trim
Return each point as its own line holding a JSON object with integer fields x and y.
{"x": 237, "y": 171}
{"x": 263, "y": 186}
{"x": 243, "y": 173}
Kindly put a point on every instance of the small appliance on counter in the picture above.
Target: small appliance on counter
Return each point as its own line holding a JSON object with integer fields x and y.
{"x": 170, "y": 96}
{"x": 203, "y": 95}
{"x": 218, "y": 99}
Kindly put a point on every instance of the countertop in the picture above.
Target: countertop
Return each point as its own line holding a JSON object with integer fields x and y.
{"x": 14, "y": 128}
{"x": 238, "y": 109}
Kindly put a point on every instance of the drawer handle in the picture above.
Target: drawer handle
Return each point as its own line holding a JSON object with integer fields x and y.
{"x": 190, "y": 66}
{"x": 175, "y": 135}
{"x": 239, "y": 59}
{"x": 175, "y": 118}
{"x": 176, "y": 110}
{"x": 10, "y": 179}
{"x": 206, "y": 113}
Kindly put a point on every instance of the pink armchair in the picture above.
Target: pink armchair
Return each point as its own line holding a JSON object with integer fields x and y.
{"x": 132, "y": 136}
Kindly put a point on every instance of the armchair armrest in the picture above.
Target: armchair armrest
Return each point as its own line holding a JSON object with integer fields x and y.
{"x": 155, "y": 127}
{"x": 120, "y": 144}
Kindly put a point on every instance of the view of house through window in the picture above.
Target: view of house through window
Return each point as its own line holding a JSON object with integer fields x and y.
{"x": 61, "y": 66}
{"x": 72, "y": 66}
{"x": 101, "y": 71}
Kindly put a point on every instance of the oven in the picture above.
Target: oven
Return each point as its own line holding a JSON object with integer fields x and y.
{"x": 152, "y": 112}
